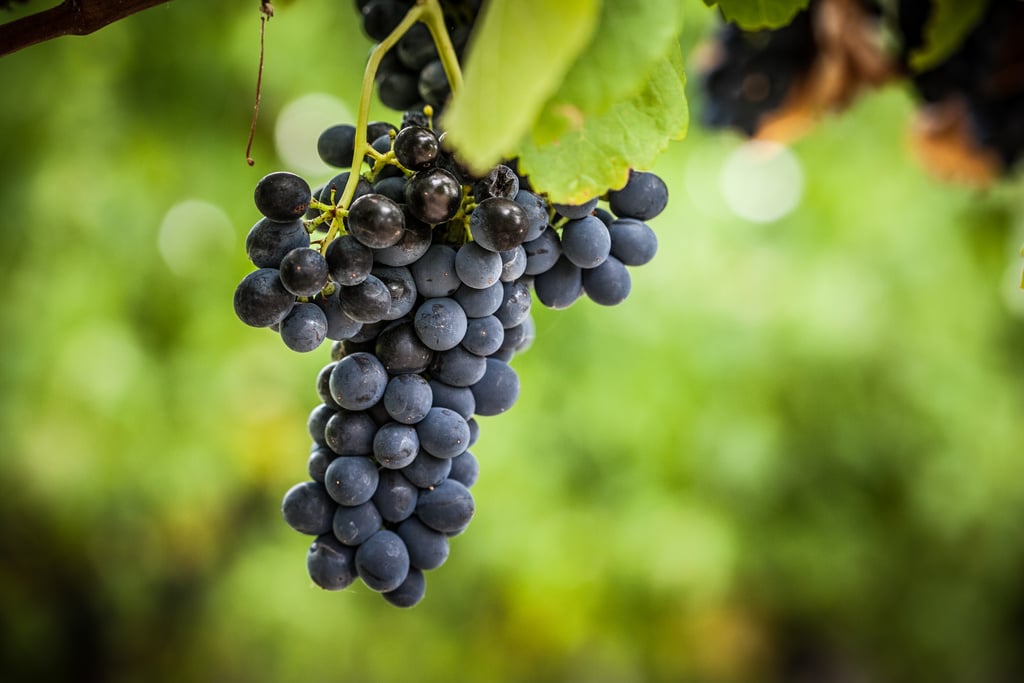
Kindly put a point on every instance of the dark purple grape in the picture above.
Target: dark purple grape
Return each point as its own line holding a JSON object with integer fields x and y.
{"x": 376, "y": 221}
{"x": 282, "y": 196}
{"x": 304, "y": 272}
{"x": 337, "y": 145}
{"x": 416, "y": 148}
{"x": 498, "y": 224}
{"x": 433, "y": 196}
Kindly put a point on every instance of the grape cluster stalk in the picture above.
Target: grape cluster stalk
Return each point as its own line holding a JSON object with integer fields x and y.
{"x": 423, "y": 276}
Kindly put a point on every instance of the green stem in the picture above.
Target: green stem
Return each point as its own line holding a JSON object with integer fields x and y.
{"x": 434, "y": 19}
{"x": 363, "y": 117}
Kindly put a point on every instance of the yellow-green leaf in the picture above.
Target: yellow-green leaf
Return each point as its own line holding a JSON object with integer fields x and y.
{"x": 519, "y": 55}
{"x": 758, "y": 14}
{"x": 597, "y": 155}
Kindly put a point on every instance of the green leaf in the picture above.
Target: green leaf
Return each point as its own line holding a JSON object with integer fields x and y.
{"x": 518, "y": 57}
{"x": 597, "y": 155}
{"x": 630, "y": 39}
{"x": 948, "y": 25}
{"x": 758, "y": 14}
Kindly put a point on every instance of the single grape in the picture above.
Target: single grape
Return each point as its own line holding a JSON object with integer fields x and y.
{"x": 353, "y": 524}
{"x": 351, "y": 480}
{"x": 261, "y": 300}
{"x": 358, "y": 381}
{"x": 337, "y": 145}
{"x": 330, "y": 564}
{"x": 399, "y": 90}
{"x": 282, "y": 196}
{"x": 497, "y": 390}
{"x": 395, "y": 445}
{"x": 560, "y": 286}
{"x": 382, "y": 562}
{"x": 304, "y": 271}
{"x": 308, "y": 508}
{"x": 498, "y": 224}
{"x": 440, "y": 323}
{"x": 586, "y": 242}
{"x": 644, "y": 197}
{"x": 633, "y": 241}
{"x": 500, "y": 181}
{"x": 400, "y": 350}
{"x": 443, "y": 433}
{"x": 350, "y": 433}
{"x": 433, "y": 196}
{"x": 477, "y": 267}
{"x": 416, "y": 48}
{"x": 407, "y": 398}
{"x": 447, "y": 508}
{"x": 416, "y": 147}
{"x": 376, "y": 221}
{"x": 608, "y": 284}
{"x": 483, "y": 335}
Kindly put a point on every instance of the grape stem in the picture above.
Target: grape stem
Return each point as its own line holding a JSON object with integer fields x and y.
{"x": 430, "y": 13}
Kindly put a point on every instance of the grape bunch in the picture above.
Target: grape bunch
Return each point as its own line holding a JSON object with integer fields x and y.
{"x": 424, "y": 282}
{"x": 412, "y": 75}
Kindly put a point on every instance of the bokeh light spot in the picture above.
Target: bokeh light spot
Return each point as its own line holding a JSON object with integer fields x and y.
{"x": 762, "y": 181}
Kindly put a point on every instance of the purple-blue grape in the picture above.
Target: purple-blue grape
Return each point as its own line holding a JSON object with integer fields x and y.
{"x": 497, "y": 390}
{"x": 353, "y": 524}
{"x": 351, "y": 480}
{"x": 268, "y": 241}
{"x": 358, "y": 381}
{"x": 282, "y": 196}
{"x": 498, "y": 224}
{"x": 261, "y": 300}
{"x": 396, "y": 496}
{"x": 483, "y": 335}
{"x": 440, "y": 323}
{"x": 633, "y": 241}
{"x": 308, "y": 508}
{"x": 408, "y": 398}
{"x": 330, "y": 564}
{"x": 448, "y": 507}
{"x": 382, "y": 561}
{"x": 395, "y": 445}
{"x": 586, "y": 242}
{"x": 644, "y": 197}
{"x": 443, "y": 433}
{"x": 608, "y": 284}
{"x": 350, "y": 433}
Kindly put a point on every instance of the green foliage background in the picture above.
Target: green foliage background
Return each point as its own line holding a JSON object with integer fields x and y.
{"x": 793, "y": 455}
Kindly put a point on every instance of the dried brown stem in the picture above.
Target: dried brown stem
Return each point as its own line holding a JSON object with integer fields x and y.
{"x": 71, "y": 17}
